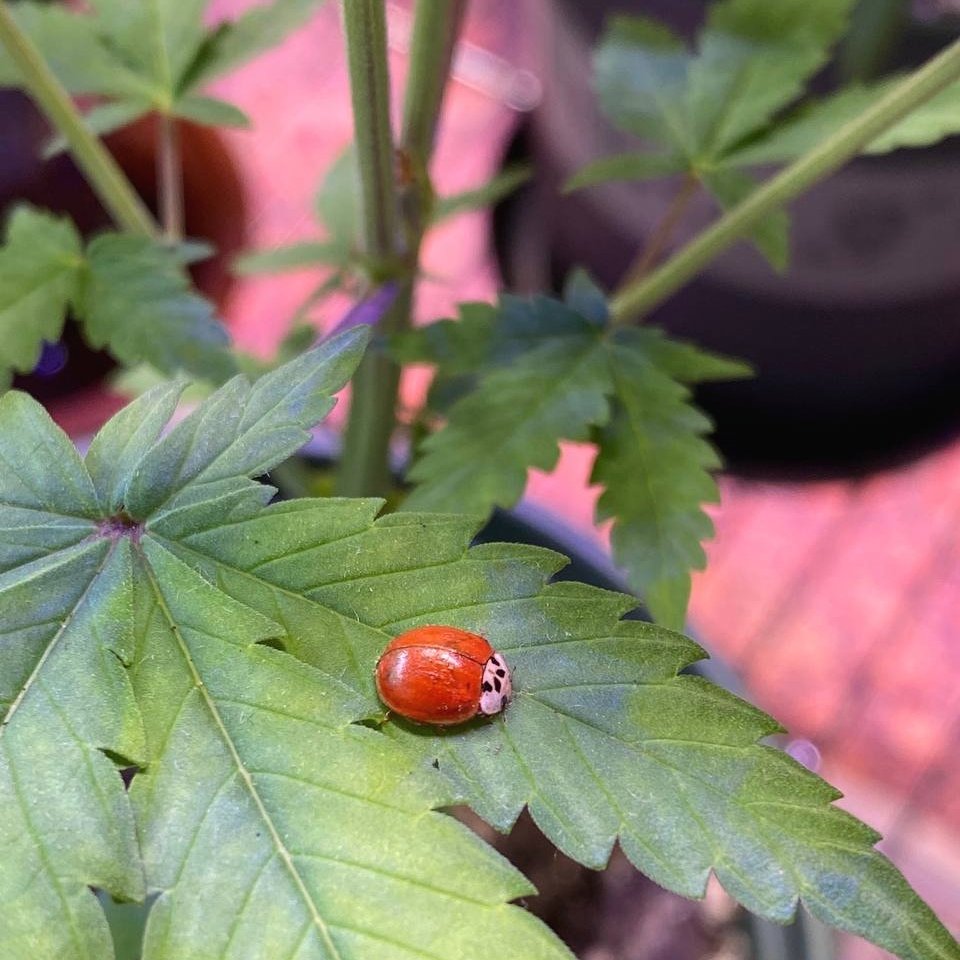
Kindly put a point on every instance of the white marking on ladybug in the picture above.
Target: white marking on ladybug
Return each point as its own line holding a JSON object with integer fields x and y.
{"x": 496, "y": 687}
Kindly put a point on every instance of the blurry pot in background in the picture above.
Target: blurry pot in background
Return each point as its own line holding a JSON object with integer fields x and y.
{"x": 857, "y": 347}
{"x": 69, "y": 378}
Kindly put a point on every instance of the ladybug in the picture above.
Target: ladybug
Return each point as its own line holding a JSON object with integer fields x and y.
{"x": 442, "y": 675}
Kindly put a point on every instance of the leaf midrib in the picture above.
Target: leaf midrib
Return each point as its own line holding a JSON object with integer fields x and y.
{"x": 240, "y": 769}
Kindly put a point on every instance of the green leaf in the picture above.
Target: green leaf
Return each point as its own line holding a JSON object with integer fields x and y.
{"x": 39, "y": 269}
{"x": 150, "y": 54}
{"x": 772, "y": 234}
{"x": 654, "y": 465}
{"x": 625, "y": 166}
{"x": 294, "y": 256}
{"x": 65, "y": 820}
{"x": 157, "y": 38}
{"x": 642, "y": 72}
{"x": 137, "y": 301}
{"x": 245, "y": 429}
{"x": 603, "y": 740}
{"x": 210, "y": 111}
{"x": 929, "y": 123}
{"x": 491, "y": 193}
{"x": 338, "y": 206}
{"x": 265, "y": 818}
{"x": 116, "y": 451}
{"x": 234, "y": 42}
{"x": 72, "y": 45}
{"x": 752, "y": 59}
{"x": 103, "y": 119}
{"x": 512, "y": 421}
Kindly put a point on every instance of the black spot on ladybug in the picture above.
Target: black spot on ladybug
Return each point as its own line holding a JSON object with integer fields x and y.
{"x": 501, "y": 673}
{"x": 495, "y": 661}
{"x": 485, "y": 687}
{"x": 496, "y": 684}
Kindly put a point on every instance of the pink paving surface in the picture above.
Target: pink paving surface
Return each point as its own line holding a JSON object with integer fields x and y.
{"x": 838, "y": 603}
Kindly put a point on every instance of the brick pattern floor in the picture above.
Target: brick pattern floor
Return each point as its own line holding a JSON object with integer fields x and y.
{"x": 838, "y": 604}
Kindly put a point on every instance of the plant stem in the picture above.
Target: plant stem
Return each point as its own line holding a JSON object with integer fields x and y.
{"x": 170, "y": 178}
{"x": 364, "y": 468}
{"x": 435, "y": 30}
{"x": 653, "y": 250}
{"x": 99, "y": 167}
{"x": 635, "y": 299}
{"x": 390, "y": 239}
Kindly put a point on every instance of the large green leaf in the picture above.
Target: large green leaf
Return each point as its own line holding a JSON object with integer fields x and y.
{"x": 39, "y": 270}
{"x": 603, "y": 741}
{"x": 267, "y": 822}
{"x": 158, "y": 612}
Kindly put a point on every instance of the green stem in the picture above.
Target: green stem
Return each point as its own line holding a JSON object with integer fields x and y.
{"x": 364, "y": 468}
{"x": 392, "y": 231}
{"x": 366, "y": 32}
{"x": 636, "y": 299}
{"x": 436, "y": 27}
{"x": 99, "y": 167}
{"x": 170, "y": 178}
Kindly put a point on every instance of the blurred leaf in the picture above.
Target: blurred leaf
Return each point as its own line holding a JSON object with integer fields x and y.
{"x": 491, "y": 193}
{"x": 150, "y": 55}
{"x": 210, "y": 111}
{"x": 625, "y": 166}
{"x": 40, "y": 265}
{"x": 234, "y": 42}
{"x": 137, "y": 301}
{"x": 939, "y": 117}
{"x": 752, "y": 59}
{"x": 77, "y": 52}
{"x": 294, "y": 256}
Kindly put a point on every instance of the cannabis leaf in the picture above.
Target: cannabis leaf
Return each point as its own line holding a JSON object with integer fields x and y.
{"x": 161, "y": 614}
{"x": 150, "y": 55}
{"x": 693, "y": 108}
{"x": 515, "y": 380}
{"x": 130, "y": 295}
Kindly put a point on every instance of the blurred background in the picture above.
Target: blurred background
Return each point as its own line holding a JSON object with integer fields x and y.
{"x": 832, "y": 595}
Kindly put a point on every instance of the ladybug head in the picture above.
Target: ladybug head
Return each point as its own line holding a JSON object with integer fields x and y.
{"x": 496, "y": 688}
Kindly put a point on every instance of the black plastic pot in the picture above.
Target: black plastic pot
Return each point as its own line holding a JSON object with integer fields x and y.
{"x": 857, "y": 346}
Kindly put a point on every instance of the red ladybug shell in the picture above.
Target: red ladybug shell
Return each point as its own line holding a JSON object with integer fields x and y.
{"x": 442, "y": 675}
